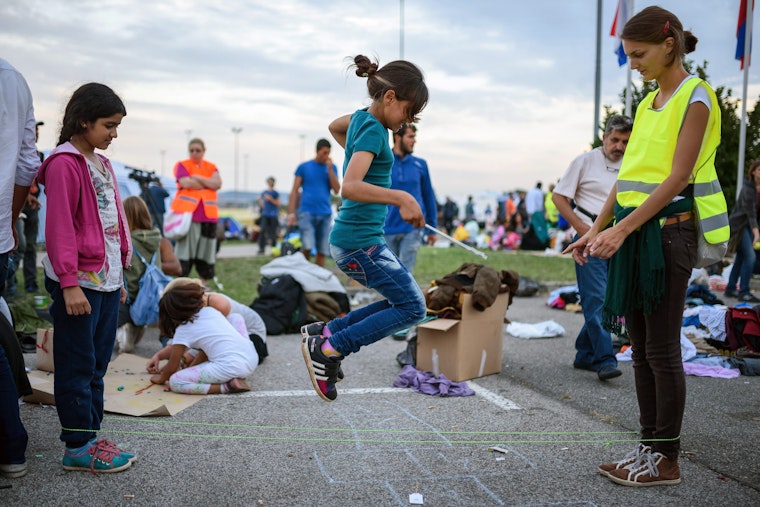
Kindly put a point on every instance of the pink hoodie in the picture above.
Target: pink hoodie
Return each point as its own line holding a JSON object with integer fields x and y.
{"x": 73, "y": 231}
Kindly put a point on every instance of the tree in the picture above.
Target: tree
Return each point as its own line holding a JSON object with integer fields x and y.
{"x": 727, "y": 156}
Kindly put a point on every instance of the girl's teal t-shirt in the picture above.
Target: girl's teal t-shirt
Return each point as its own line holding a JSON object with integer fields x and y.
{"x": 360, "y": 224}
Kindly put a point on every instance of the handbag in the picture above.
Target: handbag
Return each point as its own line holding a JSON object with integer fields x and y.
{"x": 177, "y": 225}
{"x": 707, "y": 253}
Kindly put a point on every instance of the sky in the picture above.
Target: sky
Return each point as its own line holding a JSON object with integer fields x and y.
{"x": 511, "y": 82}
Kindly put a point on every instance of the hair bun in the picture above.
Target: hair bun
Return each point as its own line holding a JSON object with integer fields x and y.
{"x": 364, "y": 66}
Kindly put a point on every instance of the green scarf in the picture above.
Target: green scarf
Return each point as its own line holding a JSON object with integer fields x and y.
{"x": 636, "y": 274}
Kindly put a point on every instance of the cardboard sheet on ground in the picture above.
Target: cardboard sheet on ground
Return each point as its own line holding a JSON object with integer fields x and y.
{"x": 127, "y": 370}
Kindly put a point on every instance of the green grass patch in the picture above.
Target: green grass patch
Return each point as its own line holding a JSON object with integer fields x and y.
{"x": 240, "y": 276}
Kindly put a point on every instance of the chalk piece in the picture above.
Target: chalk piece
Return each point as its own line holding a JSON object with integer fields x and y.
{"x": 501, "y": 458}
{"x": 415, "y": 499}
{"x": 129, "y": 496}
{"x": 120, "y": 388}
{"x": 498, "y": 449}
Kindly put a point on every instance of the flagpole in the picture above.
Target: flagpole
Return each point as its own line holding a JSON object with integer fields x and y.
{"x": 743, "y": 124}
{"x": 628, "y": 77}
{"x": 598, "y": 83}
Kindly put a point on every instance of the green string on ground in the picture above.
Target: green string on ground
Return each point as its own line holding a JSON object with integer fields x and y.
{"x": 606, "y": 441}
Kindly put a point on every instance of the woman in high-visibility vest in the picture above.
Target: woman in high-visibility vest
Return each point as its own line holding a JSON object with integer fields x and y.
{"x": 197, "y": 183}
{"x": 667, "y": 181}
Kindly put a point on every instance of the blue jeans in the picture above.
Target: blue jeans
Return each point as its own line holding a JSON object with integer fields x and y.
{"x": 406, "y": 245}
{"x": 594, "y": 344}
{"x": 744, "y": 264}
{"x": 13, "y": 436}
{"x": 376, "y": 268}
{"x": 83, "y": 347}
{"x": 3, "y": 270}
{"x": 315, "y": 232}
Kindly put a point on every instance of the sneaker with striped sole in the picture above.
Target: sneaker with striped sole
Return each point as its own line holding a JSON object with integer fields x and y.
{"x": 315, "y": 329}
{"x": 323, "y": 370}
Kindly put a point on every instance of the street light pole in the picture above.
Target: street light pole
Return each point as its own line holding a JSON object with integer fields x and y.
{"x": 401, "y": 30}
{"x": 245, "y": 171}
{"x": 236, "y": 131}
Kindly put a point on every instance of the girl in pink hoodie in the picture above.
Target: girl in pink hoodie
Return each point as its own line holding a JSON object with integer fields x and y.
{"x": 88, "y": 245}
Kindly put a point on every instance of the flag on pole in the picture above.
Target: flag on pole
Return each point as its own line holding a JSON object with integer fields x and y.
{"x": 622, "y": 14}
{"x": 741, "y": 32}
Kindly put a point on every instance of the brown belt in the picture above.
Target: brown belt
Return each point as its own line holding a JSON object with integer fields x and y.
{"x": 678, "y": 218}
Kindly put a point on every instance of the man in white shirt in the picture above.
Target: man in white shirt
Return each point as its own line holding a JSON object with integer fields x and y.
{"x": 588, "y": 182}
{"x": 19, "y": 164}
{"x": 534, "y": 201}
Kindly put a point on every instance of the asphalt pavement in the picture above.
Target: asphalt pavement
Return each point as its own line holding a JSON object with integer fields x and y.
{"x": 281, "y": 445}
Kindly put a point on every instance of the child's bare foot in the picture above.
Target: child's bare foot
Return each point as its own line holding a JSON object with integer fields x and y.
{"x": 237, "y": 385}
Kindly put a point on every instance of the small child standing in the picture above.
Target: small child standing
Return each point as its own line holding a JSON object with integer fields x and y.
{"x": 226, "y": 356}
{"x": 357, "y": 244}
{"x": 88, "y": 245}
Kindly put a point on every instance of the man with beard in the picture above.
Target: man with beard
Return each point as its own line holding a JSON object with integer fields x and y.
{"x": 588, "y": 182}
{"x": 410, "y": 174}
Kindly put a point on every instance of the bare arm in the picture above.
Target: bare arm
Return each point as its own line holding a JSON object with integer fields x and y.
{"x": 332, "y": 175}
{"x": 169, "y": 262}
{"x": 580, "y": 248}
{"x": 355, "y": 189}
{"x": 339, "y": 127}
{"x": 218, "y": 302}
{"x": 171, "y": 367}
{"x": 19, "y": 199}
{"x": 164, "y": 353}
{"x": 273, "y": 200}
{"x": 293, "y": 200}
{"x": 199, "y": 358}
{"x": 563, "y": 207}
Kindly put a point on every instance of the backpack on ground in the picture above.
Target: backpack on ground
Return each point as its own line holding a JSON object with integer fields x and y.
{"x": 281, "y": 305}
{"x": 144, "y": 309}
{"x": 743, "y": 329}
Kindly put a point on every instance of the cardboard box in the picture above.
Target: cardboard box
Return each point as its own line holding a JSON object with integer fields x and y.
{"x": 464, "y": 349}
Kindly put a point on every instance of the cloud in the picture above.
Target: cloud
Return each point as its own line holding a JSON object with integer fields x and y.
{"x": 511, "y": 83}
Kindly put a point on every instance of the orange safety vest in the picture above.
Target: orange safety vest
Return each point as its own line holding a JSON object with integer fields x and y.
{"x": 187, "y": 199}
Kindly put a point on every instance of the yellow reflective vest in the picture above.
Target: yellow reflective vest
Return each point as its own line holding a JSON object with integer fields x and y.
{"x": 648, "y": 159}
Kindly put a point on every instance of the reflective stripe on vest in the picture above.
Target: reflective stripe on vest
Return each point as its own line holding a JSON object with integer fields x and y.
{"x": 648, "y": 159}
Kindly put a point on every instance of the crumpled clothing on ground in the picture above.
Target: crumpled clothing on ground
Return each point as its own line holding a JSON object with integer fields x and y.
{"x": 427, "y": 383}
{"x": 701, "y": 370}
{"x": 688, "y": 350}
{"x": 545, "y": 329}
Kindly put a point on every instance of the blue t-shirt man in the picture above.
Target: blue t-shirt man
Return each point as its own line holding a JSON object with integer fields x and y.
{"x": 409, "y": 174}
{"x": 311, "y": 193}
{"x": 360, "y": 225}
{"x": 269, "y": 208}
